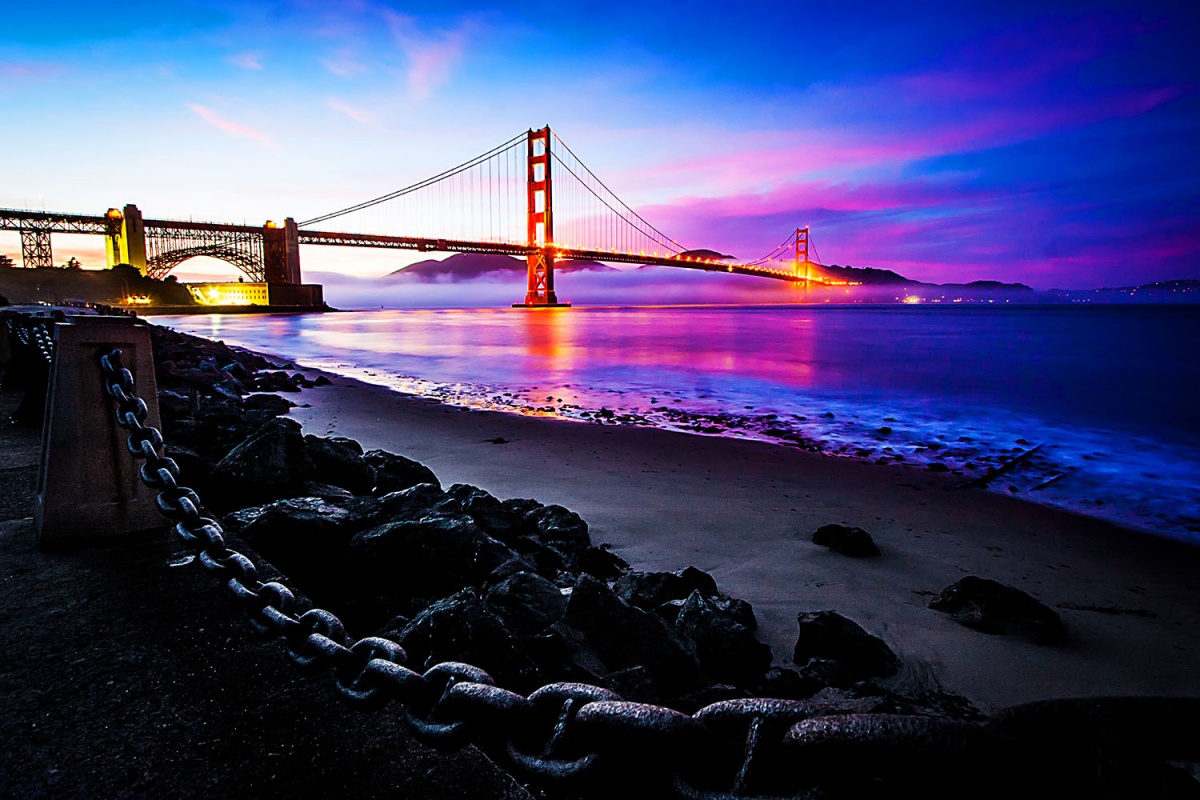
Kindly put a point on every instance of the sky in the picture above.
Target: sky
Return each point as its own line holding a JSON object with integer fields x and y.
{"x": 1048, "y": 143}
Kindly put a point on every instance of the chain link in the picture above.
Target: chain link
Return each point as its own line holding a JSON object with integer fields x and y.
{"x": 562, "y": 734}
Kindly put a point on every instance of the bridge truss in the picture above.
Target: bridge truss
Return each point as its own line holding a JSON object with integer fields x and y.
{"x": 35, "y": 228}
{"x": 170, "y": 243}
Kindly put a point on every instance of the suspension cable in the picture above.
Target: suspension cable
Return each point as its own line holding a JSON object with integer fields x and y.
{"x": 640, "y": 218}
{"x": 420, "y": 185}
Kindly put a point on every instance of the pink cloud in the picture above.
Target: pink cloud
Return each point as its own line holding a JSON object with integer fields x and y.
{"x": 232, "y": 128}
{"x": 755, "y": 160}
{"x": 432, "y": 58}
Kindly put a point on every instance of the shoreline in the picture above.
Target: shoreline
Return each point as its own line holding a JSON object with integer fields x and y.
{"x": 745, "y": 510}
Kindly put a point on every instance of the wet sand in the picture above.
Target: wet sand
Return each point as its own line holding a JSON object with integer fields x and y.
{"x": 745, "y": 511}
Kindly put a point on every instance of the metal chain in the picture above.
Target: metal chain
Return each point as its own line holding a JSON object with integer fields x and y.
{"x": 576, "y": 736}
{"x": 44, "y": 340}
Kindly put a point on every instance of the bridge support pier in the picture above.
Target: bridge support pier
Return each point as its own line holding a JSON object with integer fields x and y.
{"x": 35, "y": 247}
{"x": 540, "y": 292}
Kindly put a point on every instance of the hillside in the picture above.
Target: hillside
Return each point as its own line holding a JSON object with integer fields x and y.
{"x": 108, "y": 286}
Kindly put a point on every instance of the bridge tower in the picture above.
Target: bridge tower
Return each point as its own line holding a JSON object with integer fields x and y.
{"x": 801, "y": 254}
{"x": 126, "y": 238}
{"x": 540, "y": 215}
{"x": 281, "y": 252}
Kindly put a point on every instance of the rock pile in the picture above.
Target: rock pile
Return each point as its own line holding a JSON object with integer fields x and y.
{"x": 513, "y": 586}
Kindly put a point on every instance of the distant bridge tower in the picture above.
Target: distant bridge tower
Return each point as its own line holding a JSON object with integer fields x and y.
{"x": 540, "y": 216}
{"x": 801, "y": 254}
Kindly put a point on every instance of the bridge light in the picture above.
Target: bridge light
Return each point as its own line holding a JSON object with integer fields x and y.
{"x": 272, "y": 224}
{"x": 113, "y": 213}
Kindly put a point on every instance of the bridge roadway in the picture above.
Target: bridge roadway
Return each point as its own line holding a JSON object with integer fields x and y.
{"x": 55, "y": 222}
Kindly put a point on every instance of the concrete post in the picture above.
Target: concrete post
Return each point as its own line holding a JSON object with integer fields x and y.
{"x": 88, "y": 484}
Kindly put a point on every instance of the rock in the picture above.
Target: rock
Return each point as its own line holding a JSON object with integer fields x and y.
{"x": 697, "y": 580}
{"x": 272, "y": 403}
{"x": 348, "y": 443}
{"x": 325, "y": 491}
{"x": 262, "y": 467}
{"x": 304, "y": 536}
{"x": 786, "y": 684}
{"x": 462, "y": 628}
{"x": 600, "y": 562}
{"x": 526, "y": 603}
{"x": 993, "y": 607}
{"x": 649, "y": 590}
{"x": 413, "y": 503}
{"x": 621, "y": 636}
{"x": 194, "y": 469}
{"x": 430, "y": 557}
{"x": 635, "y": 684}
{"x": 340, "y": 462}
{"x": 857, "y": 654}
{"x": 853, "y": 542}
{"x": 739, "y": 611}
{"x": 521, "y": 506}
{"x": 559, "y": 527}
{"x": 727, "y": 649}
{"x": 321, "y": 380}
{"x": 487, "y": 511}
{"x": 395, "y": 473}
{"x": 173, "y": 405}
{"x": 276, "y": 382}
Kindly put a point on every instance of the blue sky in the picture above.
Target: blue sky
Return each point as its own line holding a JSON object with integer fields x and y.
{"x": 1052, "y": 144}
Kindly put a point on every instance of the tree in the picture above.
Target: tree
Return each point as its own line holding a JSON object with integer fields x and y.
{"x": 6, "y": 261}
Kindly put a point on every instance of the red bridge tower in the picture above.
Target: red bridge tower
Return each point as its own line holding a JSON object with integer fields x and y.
{"x": 540, "y": 214}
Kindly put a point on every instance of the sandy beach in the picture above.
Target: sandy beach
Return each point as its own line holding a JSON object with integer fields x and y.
{"x": 745, "y": 511}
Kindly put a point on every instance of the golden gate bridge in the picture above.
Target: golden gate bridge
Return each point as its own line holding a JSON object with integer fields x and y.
{"x": 529, "y": 197}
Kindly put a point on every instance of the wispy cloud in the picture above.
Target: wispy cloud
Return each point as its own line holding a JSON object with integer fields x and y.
{"x": 345, "y": 64}
{"x": 246, "y": 60}
{"x": 357, "y": 114}
{"x": 31, "y": 70}
{"x": 230, "y": 127}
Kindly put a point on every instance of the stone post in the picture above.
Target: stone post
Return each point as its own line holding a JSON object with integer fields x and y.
{"x": 88, "y": 485}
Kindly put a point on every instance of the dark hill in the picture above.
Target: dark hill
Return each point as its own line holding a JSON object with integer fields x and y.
{"x": 471, "y": 266}
{"x": 868, "y": 276}
{"x": 704, "y": 252}
{"x": 993, "y": 286}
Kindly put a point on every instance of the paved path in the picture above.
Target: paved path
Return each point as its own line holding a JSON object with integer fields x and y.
{"x": 124, "y": 673}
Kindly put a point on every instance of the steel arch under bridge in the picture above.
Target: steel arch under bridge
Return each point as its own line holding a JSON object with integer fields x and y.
{"x": 168, "y": 247}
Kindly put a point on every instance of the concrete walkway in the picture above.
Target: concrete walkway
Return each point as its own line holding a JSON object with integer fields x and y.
{"x": 126, "y": 673}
